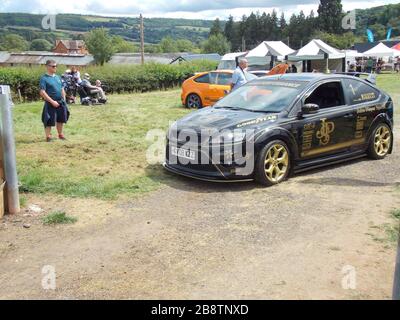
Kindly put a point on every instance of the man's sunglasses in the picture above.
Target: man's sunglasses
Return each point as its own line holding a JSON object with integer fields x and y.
{"x": 52, "y": 66}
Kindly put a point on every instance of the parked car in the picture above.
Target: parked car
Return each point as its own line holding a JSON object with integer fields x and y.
{"x": 206, "y": 88}
{"x": 293, "y": 122}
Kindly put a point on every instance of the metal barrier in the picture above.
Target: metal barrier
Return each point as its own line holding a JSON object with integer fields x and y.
{"x": 9, "y": 157}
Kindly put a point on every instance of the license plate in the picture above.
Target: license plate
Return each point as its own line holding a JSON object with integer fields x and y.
{"x": 183, "y": 153}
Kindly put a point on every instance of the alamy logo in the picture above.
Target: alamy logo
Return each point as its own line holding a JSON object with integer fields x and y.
{"x": 49, "y": 278}
{"x": 349, "y": 280}
{"x": 49, "y": 22}
{"x": 349, "y": 21}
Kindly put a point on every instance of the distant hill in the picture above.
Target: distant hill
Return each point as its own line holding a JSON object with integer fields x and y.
{"x": 71, "y": 26}
{"x": 379, "y": 19}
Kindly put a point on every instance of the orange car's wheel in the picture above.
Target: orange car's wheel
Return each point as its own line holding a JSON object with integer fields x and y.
{"x": 193, "y": 101}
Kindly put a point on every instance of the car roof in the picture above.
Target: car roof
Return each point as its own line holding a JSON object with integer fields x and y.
{"x": 299, "y": 76}
{"x": 308, "y": 76}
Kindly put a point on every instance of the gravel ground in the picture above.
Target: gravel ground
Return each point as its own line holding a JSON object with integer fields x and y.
{"x": 197, "y": 240}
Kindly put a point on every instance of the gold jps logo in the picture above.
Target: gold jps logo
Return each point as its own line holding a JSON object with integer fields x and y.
{"x": 324, "y": 133}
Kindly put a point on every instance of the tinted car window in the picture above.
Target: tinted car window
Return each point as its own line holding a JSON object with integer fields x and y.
{"x": 327, "y": 95}
{"x": 359, "y": 92}
{"x": 213, "y": 77}
{"x": 203, "y": 79}
{"x": 264, "y": 96}
{"x": 225, "y": 79}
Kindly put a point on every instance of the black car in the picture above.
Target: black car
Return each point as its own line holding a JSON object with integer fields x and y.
{"x": 276, "y": 125}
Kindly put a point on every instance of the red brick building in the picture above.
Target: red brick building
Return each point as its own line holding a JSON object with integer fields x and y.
{"x": 70, "y": 47}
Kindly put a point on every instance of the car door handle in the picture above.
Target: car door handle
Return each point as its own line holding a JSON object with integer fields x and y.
{"x": 349, "y": 116}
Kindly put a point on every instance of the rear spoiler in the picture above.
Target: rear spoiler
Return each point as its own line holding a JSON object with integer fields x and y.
{"x": 371, "y": 77}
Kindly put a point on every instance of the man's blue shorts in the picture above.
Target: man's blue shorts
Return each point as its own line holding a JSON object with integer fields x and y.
{"x": 51, "y": 115}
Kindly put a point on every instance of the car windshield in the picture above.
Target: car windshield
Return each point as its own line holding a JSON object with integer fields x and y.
{"x": 263, "y": 96}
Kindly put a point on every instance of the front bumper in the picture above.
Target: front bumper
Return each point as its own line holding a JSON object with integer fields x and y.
{"x": 208, "y": 170}
{"x": 216, "y": 176}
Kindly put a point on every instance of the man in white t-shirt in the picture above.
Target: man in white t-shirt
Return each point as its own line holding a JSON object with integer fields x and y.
{"x": 239, "y": 76}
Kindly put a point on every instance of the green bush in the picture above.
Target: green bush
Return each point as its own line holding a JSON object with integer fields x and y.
{"x": 116, "y": 78}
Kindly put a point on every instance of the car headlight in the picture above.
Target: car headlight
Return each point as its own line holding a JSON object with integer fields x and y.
{"x": 228, "y": 137}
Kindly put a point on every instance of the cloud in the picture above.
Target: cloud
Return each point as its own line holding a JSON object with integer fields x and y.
{"x": 136, "y": 6}
{"x": 206, "y": 9}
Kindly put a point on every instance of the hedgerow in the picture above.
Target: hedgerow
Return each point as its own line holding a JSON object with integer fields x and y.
{"x": 24, "y": 82}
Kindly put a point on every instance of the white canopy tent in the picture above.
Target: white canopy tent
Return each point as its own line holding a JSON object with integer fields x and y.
{"x": 396, "y": 52}
{"x": 317, "y": 55}
{"x": 228, "y": 61}
{"x": 316, "y": 50}
{"x": 233, "y": 56}
{"x": 266, "y": 53}
{"x": 353, "y": 54}
{"x": 381, "y": 51}
{"x": 270, "y": 48}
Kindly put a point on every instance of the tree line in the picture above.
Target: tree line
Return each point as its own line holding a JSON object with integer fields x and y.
{"x": 295, "y": 31}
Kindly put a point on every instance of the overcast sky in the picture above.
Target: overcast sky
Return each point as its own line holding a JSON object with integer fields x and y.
{"x": 196, "y": 9}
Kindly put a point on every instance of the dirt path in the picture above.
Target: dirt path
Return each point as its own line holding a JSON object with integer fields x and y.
{"x": 195, "y": 240}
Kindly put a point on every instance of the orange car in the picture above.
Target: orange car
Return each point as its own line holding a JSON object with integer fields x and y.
{"x": 206, "y": 88}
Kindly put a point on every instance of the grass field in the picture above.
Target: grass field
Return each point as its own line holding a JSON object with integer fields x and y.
{"x": 105, "y": 155}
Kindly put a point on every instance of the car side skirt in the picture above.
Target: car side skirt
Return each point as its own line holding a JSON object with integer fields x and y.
{"x": 327, "y": 161}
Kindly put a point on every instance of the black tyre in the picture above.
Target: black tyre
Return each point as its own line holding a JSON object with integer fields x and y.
{"x": 273, "y": 163}
{"x": 380, "y": 142}
{"x": 193, "y": 101}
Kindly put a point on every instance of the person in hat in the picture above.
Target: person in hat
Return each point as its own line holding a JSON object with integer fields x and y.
{"x": 98, "y": 90}
{"x": 55, "y": 110}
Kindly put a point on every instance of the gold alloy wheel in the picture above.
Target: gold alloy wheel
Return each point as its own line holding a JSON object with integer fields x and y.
{"x": 276, "y": 163}
{"x": 382, "y": 141}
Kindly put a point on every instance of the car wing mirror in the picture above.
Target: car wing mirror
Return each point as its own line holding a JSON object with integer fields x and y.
{"x": 310, "y": 108}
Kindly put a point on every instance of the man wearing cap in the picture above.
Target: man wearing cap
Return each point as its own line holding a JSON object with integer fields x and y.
{"x": 55, "y": 110}
{"x": 93, "y": 89}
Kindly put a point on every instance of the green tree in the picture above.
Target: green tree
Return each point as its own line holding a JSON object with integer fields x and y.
{"x": 14, "y": 42}
{"x": 152, "y": 48}
{"x": 41, "y": 45}
{"x": 379, "y": 31}
{"x": 232, "y": 33}
{"x": 229, "y": 31}
{"x": 252, "y": 31}
{"x": 122, "y": 46}
{"x": 216, "y": 28}
{"x": 275, "y": 26}
{"x": 184, "y": 45}
{"x": 168, "y": 45}
{"x": 216, "y": 44}
{"x": 282, "y": 22}
{"x": 100, "y": 45}
{"x": 302, "y": 33}
{"x": 330, "y": 14}
{"x": 340, "y": 41}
